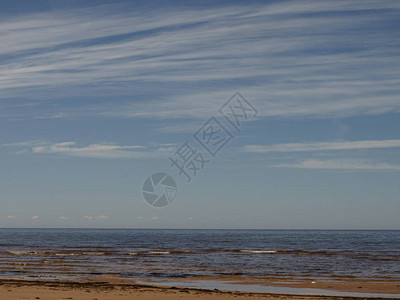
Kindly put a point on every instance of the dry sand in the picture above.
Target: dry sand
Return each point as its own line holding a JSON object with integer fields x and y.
{"x": 50, "y": 290}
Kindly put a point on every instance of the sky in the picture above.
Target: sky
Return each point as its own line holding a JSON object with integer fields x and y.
{"x": 95, "y": 96}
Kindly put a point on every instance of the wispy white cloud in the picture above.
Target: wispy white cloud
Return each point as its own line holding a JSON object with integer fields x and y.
{"x": 346, "y": 164}
{"x": 24, "y": 144}
{"x": 92, "y": 150}
{"x": 11, "y": 217}
{"x": 324, "y": 146}
{"x": 53, "y": 116}
{"x": 64, "y": 218}
{"x": 35, "y": 218}
{"x": 290, "y": 58}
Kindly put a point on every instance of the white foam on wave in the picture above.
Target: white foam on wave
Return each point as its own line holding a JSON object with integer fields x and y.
{"x": 159, "y": 252}
{"x": 27, "y": 252}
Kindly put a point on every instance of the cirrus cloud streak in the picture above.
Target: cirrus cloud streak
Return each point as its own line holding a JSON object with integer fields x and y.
{"x": 323, "y": 146}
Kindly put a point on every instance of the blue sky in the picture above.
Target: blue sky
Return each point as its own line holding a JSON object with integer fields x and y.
{"x": 97, "y": 95}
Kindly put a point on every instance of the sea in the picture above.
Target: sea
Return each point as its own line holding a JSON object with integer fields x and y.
{"x": 155, "y": 254}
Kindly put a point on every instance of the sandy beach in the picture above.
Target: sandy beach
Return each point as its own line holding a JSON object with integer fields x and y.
{"x": 49, "y": 290}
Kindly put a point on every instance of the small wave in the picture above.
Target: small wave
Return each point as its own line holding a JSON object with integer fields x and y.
{"x": 132, "y": 254}
{"x": 66, "y": 254}
{"x": 93, "y": 253}
{"x": 27, "y": 252}
{"x": 18, "y": 252}
{"x": 180, "y": 252}
{"x": 19, "y": 264}
{"x": 214, "y": 250}
{"x": 44, "y": 261}
{"x": 158, "y": 252}
{"x": 259, "y": 251}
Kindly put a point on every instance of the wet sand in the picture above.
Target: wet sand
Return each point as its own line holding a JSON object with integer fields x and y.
{"x": 100, "y": 290}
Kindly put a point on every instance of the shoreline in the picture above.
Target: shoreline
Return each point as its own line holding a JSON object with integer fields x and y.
{"x": 124, "y": 289}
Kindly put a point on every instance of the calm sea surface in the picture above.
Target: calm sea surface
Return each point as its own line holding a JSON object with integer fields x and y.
{"x": 144, "y": 254}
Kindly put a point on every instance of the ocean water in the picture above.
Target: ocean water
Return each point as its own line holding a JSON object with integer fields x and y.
{"x": 144, "y": 254}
